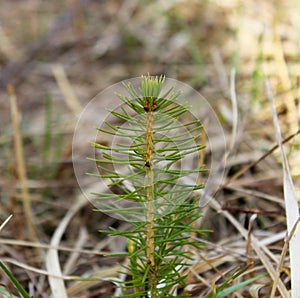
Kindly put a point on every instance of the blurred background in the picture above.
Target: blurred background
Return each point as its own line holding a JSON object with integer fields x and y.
{"x": 57, "y": 55}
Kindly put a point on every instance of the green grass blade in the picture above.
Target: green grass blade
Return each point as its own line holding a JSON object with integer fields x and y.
{"x": 14, "y": 281}
{"x": 232, "y": 289}
{"x": 7, "y": 294}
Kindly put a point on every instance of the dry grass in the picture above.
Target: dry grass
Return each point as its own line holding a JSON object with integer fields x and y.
{"x": 58, "y": 55}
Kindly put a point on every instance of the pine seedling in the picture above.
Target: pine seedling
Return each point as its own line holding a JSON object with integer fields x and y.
{"x": 149, "y": 168}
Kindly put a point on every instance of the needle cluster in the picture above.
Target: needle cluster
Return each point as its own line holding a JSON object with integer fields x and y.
{"x": 149, "y": 169}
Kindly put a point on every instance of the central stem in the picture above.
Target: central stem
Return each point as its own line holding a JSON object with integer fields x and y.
{"x": 150, "y": 246}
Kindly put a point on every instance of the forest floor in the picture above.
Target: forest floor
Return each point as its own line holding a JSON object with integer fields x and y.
{"x": 56, "y": 56}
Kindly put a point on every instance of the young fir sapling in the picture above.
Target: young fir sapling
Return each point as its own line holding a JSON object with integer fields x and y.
{"x": 150, "y": 178}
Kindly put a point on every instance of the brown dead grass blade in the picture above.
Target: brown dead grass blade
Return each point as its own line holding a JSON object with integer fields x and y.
{"x": 5, "y": 222}
{"x": 66, "y": 89}
{"x": 52, "y": 259}
{"x": 259, "y": 248}
{"x": 291, "y": 205}
{"x": 21, "y": 168}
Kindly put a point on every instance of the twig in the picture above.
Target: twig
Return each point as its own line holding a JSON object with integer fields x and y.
{"x": 254, "y": 163}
